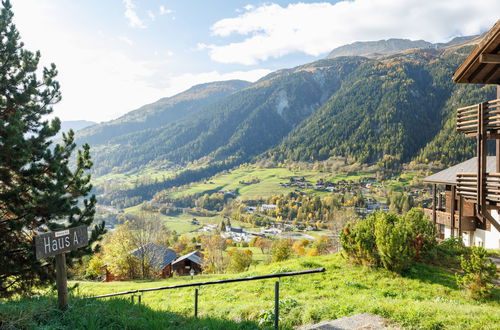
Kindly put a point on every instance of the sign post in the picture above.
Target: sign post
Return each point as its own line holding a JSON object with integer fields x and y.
{"x": 55, "y": 244}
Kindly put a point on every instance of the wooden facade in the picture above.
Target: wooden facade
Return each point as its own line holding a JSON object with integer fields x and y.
{"x": 186, "y": 263}
{"x": 482, "y": 122}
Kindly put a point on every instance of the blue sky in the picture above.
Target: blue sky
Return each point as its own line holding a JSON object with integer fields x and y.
{"x": 116, "y": 55}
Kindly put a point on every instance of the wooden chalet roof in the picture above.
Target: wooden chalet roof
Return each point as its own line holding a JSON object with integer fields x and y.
{"x": 158, "y": 256}
{"x": 482, "y": 66}
{"x": 193, "y": 256}
{"x": 449, "y": 175}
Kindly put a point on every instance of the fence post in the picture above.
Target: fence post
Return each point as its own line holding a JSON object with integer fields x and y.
{"x": 276, "y": 304}
{"x": 196, "y": 303}
{"x": 139, "y": 299}
{"x": 132, "y": 298}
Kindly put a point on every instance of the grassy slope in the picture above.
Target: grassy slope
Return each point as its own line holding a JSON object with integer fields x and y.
{"x": 270, "y": 179}
{"x": 427, "y": 298}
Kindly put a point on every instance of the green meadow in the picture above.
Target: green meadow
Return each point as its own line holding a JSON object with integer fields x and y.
{"x": 426, "y": 297}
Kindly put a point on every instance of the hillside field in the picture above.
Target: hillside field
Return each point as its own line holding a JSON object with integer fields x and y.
{"x": 425, "y": 298}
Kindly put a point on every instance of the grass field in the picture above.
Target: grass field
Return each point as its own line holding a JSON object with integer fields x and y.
{"x": 269, "y": 181}
{"x": 425, "y": 298}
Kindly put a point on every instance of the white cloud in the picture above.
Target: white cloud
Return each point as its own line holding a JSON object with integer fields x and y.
{"x": 249, "y": 7}
{"x": 126, "y": 40}
{"x": 272, "y": 31}
{"x": 151, "y": 15}
{"x": 170, "y": 53}
{"x": 131, "y": 15}
{"x": 165, "y": 11}
{"x": 99, "y": 82}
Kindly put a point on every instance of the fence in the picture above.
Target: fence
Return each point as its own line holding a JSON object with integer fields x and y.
{"x": 233, "y": 280}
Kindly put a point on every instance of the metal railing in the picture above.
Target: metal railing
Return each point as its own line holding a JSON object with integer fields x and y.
{"x": 468, "y": 117}
{"x": 232, "y": 280}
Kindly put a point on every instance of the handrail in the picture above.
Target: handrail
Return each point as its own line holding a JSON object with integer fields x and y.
{"x": 232, "y": 280}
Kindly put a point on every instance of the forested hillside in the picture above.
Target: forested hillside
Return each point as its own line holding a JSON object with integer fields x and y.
{"x": 402, "y": 106}
{"x": 231, "y": 129}
{"x": 161, "y": 112}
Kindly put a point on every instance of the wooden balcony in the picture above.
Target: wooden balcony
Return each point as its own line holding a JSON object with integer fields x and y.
{"x": 444, "y": 218}
{"x": 467, "y": 186}
{"x": 468, "y": 118}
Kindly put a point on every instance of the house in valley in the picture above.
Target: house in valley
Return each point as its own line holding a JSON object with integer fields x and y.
{"x": 158, "y": 257}
{"x": 472, "y": 189}
{"x": 191, "y": 261}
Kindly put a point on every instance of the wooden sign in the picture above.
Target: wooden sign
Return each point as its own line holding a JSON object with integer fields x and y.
{"x": 53, "y": 243}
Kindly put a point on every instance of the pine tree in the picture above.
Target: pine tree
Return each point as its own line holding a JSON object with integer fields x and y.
{"x": 39, "y": 190}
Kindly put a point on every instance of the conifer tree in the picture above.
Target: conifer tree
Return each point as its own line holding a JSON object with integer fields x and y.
{"x": 39, "y": 190}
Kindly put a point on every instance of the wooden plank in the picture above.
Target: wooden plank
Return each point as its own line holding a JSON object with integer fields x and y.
{"x": 489, "y": 58}
{"x": 453, "y": 195}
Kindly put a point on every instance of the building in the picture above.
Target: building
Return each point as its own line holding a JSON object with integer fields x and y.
{"x": 186, "y": 263}
{"x": 158, "y": 257}
{"x": 466, "y": 221}
{"x": 477, "y": 186}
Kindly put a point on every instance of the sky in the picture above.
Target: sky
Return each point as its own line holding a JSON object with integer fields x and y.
{"x": 114, "y": 56}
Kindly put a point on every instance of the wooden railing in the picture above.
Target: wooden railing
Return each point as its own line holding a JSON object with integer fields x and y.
{"x": 444, "y": 218}
{"x": 467, "y": 186}
{"x": 468, "y": 117}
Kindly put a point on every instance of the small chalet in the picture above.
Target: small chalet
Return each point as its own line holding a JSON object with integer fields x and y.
{"x": 159, "y": 257}
{"x": 188, "y": 262}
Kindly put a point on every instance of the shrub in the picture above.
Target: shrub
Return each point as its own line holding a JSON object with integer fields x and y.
{"x": 358, "y": 241}
{"x": 479, "y": 273}
{"x": 389, "y": 240}
{"x": 281, "y": 250}
{"x": 423, "y": 234}
{"x": 393, "y": 238}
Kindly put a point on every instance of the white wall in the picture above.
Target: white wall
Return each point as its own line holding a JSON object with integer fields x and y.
{"x": 488, "y": 239}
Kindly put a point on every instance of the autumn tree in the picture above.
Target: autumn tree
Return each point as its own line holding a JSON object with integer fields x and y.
{"x": 214, "y": 260}
{"x": 39, "y": 190}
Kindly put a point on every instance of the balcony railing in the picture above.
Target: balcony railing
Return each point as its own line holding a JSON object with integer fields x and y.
{"x": 468, "y": 117}
{"x": 444, "y": 218}
{"x": 467, "y": 186}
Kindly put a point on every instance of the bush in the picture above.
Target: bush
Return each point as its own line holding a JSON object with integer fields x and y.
{"x": 389, "y": 240}
{"x": 281, "y": 250}
{"x": 358, "y": 241}
{"x": 450, "y": 251}
{"x": 393, "y": 239}
{"x": 479, "y": 273}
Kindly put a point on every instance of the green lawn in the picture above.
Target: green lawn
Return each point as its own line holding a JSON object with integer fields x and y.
{"x": 425, "y": 298}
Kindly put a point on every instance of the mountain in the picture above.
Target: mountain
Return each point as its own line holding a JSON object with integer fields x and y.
{"x": 390, "y": 46}
{"x": 161, "y": 112}
{"x": 388, "y": 110}
{"x": 401, "y": 106}
{"x": 232, "y": 129}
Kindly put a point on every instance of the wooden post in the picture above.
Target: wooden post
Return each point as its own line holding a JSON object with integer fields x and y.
{"x": 440, "y": 201}
{"x": 497, "y": 153}
{"x": 453, "y": 194}
{"x": 460, "y": 214}
{"x": 61, "y": 281}
{"x": 276, "y": 304}
{"x": 434, "y": 204}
